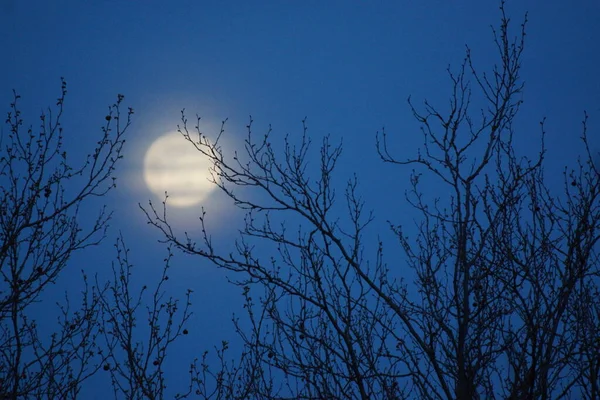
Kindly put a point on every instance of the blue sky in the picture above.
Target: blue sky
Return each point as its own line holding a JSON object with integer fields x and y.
{"x": 348, "y": 66}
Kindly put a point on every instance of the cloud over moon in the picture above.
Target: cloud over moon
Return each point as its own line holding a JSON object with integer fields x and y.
{"x": 173, "y": 164}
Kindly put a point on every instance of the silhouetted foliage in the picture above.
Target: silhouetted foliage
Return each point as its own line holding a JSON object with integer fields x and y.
{"x": 136, "y": 349}
{"x": 41, "y": 196}
{"x": 501, "y": 297}
{"x": 492, "y": 294}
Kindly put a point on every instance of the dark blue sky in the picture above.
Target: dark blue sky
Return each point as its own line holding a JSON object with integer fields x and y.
{"x": 347, "y": 65}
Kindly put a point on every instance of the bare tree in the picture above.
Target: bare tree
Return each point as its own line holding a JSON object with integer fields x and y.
{"x": 41, "y": 195}
{"x": 505, "y": 300}
{"x": 136, "y": 347}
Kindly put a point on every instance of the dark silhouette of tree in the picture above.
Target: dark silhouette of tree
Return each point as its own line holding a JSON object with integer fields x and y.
{"x": 138, "y": 327}
{"x": 41, "y": 197}
{"x": 504, "y": 300}
{"x": 493, "y": 294}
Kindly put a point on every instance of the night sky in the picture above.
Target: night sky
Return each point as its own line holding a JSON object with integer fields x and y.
{"x": 348, "y": 66}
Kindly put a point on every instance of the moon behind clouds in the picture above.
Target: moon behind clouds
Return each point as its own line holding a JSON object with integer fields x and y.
{"x": 174, "y": 165}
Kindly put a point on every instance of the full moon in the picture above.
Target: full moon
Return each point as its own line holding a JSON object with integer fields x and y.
{"x": 173, "y": 164}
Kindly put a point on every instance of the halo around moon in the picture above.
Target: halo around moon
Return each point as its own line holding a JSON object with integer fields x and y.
{"x": 174, "y": 165}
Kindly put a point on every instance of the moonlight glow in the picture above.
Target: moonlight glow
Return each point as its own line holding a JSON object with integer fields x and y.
{"x": 173, "y": 164}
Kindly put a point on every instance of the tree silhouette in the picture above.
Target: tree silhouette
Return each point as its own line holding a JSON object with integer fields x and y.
{"x": 41, "y": 196}
{"x": 492, "y": 294}
{"x": 503, "y": 303}
{"x": 136, "y": 351}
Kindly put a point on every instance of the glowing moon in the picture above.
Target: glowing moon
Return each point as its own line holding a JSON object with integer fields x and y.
{"x": 173, "y": 164}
